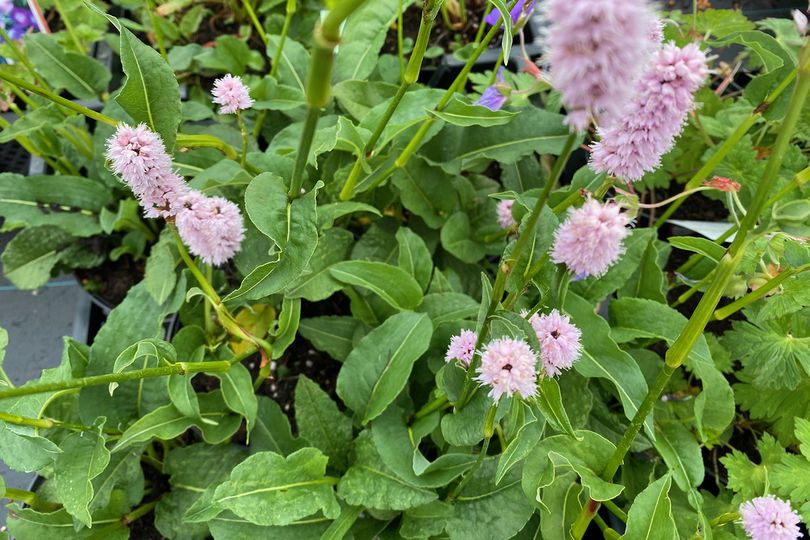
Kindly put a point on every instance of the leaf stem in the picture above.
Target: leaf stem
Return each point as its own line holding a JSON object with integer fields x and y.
{"x": 243, "y": 129}
{"x": 45, "y": 423}
{"x": 470, "y": 473}
{"x": 255, "y": 20}
{"x": 69, "y": 26}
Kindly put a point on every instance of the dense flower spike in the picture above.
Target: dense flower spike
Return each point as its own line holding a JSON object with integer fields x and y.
{"x": 769, "y": 518}
{"x": 591, "y": 238}
{"x": 138, "y": 156}
{"x": 559, "y": 341}
{"x": 462, "y": 347}
{"x": 231, "y": 93}
{"x": 655, "y": 116}
{"x": 596, "y": 50}
{"x": 520, "y": 8}
{"x": 508, "y": 366}
{"x": 505, "y": 219}
{"x": 211, "y": 227}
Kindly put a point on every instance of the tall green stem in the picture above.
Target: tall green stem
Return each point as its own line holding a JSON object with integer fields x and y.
{"x": 290, "y": 11}
{"x": 680, "y": 349}
{"x": 44, "y": 423}
{"x": 69, "y": 27}
{"x": 19, "y": 56}
{"x": 243, "y": 129}
{"x": 155, "y": 21}
{"x": 256, "y": 23}
{"x": 304, "y": 146}
{"x": 179, "y": 368}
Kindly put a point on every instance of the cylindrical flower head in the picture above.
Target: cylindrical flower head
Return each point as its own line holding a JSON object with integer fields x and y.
{"x": 505, "y": 219}
{"x": 231, "y": 93}
{"x": 211, "y": 227}
{"x": 163, "y": 199}
{"x": 138, "y": 156}
{"x": 654, "y": 117}
{"x": 769, "y": 518}
{"x": 508, "y": 366}
{"x": 462, "y": 347}
{"x": 591, "y": 238}
{"x": 596, "y": 51}
{"x": 559, "y": 341}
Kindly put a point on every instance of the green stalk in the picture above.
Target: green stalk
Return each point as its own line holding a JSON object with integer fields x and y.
{"x": 30, "y": 498}
{"x": 411, "y": 75}
{"x": 243, "y": 129}
{"x": 153, "y": 18}
{"x": 208, "y": 141}
{"x": 319, "y": 83}
{"x": 436, "y": 405}
{"x": 401, "y": 41}
{"x": 728, "y": 145}
{"x": 255, "y": 20}
{"x": 69, "y": 26}
{"x": 179, "y": 368}
{"x": 338, "y": 529}
{"x": 205, "y": 285}
{"x": 44, "y": 423}
{"x": 761, "y": 292}
{"x": 290, "y": 11}
{"x": 680, "y": 349}
{"x": 20, "y": 57}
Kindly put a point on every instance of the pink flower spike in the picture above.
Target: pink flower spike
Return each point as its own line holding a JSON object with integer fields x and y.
{"x": 138, "y": 156}
{"x": 211, "y": 227}
{"x": 591, "y": 238}
{"x": 508, "y": 366}
{"x": 769, "y": 518}
{"x": 231, "y": 93}
{"x": 596, "y": 51}
{"x": 505, "y": 219}
{"x": 654, "y": 118}
{"x": 559, "y": 341}
{"x": 163, "y": 200}
{"x": 462, "y": 347}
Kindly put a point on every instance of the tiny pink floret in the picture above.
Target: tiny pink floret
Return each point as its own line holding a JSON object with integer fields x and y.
{"x": 769, "y": 518}
{"x": 509, "y": 366}
{"x": 591, "y": 238}
{"x": 231, "y": 94}
{"x": 138, "y": 156}
{"x": 211, "y": 227}
{"x": 462, "y": 347}
{"x": 559, "y": 341}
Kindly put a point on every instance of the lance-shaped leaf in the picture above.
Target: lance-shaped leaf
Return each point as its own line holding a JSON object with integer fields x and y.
{"x": 84, "y": 456}
{"x": 81, "y": 75}
{"x": 398, "y": 288}
{"x": 321, "y": 423}
{"x": 650, "y": 516}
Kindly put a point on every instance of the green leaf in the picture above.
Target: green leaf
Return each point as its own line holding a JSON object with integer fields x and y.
{"x": 449, "y": 307}
{"x": 425, "y": 191}
{"x": 358, "y": 97}
{"x": 704, "y": 246}
{"x": 364, "y": 34}
{"x": 81, "y": 75}
{"x": 318, "y": 284}
{"x": 681, "y": 453}
{"x": 272, "y": 432}
{"x": 331, "y": 334}
{"x": 230, "y": 527}
{"x": 328, "y": 213}
{"x": 414, "y": 256}
{"x": 151, "y": 93}
{"x": 602, "y": 358}
{"x": 371, "y": 484}
{"x": 390, "y": 283}
{"x": 486, "y": 511}
{"x": 292, "y": 69}
{"x": 37, "y": 122}
{"x": 31, "y": 256}
{"x": 465, "y": 426}
{"x": 160, "y": 274}
{"x": 749, "y": 480}
{"x": 549, "y": 401}
{"x": 524, "y": 441}
{"x": 321, "y": 423}
{"x": 456, "y": 239}
{"x": 268, "y": 489}
{"x": 377, "y": 370}
{"x": 425, "y": 521}
{"x": 561, "y": 506}
{"x": 506, "y": 19}
{"x": 237, "y": 390}
{"x": 69, "y": 202}
{"x": 459, "y": 113}
{"x": 230, "y": 55}
{"x": 650, "y": 516}
{"x": 83, "y": 458}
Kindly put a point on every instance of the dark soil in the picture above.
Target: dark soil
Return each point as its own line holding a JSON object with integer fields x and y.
{"x": 112, "y": 279}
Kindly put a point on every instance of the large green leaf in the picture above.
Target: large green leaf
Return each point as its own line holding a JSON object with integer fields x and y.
{"x": 84, "y": 456}
{"x": 681, "y": 453}
{"x": 370, "y": 483}
{"x": 69, "y": 202}
{"x": 230, "y": 55}
{"x": 414, "y": 256}
{"x": 331, "y": 334}
{"x": 272, "y": 431}
{"x": 321, "y": 423}
{"x": 268, "y": 489}
{"x": 398, "y": 288}
{"x": 81, "y": 75}
{"x": 651, "y": 514}
{"x": 460, "y": 113}
{"x": 377, "y": 369}
{"x": 32, "y": 254}
{"x": 318, "y": 284}
{"x": 425, "y": 191}
{"x": 237, "y": 390}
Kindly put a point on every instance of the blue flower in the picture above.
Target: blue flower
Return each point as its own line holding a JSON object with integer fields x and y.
{"x": 494, "y": 16}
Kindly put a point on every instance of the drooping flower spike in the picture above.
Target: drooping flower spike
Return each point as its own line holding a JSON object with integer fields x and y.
{"x": 509, "y": 366}
{"x": 591, "y": 238}
{"x": 559, "y": 341}
{"x": 462, "y": 347}
{"x": 211, "y": 227}
{"x": 597, "y": 49}
{"x": 769, "y": 518}
{"x": 654, "y": 117}
{"x": 231, "y": 94}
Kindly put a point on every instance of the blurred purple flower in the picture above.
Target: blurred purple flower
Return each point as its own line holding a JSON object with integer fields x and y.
{"x": 492, "y": 98}
{"x": 494, "y": 16}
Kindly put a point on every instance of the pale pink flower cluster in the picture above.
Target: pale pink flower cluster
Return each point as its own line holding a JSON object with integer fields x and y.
{"x": 654, "y": 117}
{"x": 559, "y": 341}
{"x": 591, "y": 238}
{"x": 596, "y": 51}
{"x": 462, "y": 347}
{"x": 212, "y": 227}
{"x": 509, "y": 367}
{"x": 231, "y": 94}
{"x": 505, "y": 219}
{"x": 769, "y": 518}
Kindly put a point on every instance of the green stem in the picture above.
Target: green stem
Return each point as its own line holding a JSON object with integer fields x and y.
{"x": 614, "y": 508}
{"x": 30, "y": 498}
{"x": 69, "y": 26}
{"x": 44, "y": 423}
{"x": 206, "y": 141}
{"x": 290, "y": 11}
{"x": 401, "y": 41}
{"x": 22, "y": 58}
{"x": 243, "y": 129}
{"x": 59, "y": 100}
{"x": 722, "y": 519}
{"x": 154, "y": 20}
{"x": 680, "y": 349}
{"x": 436, "y": 405}
{"x": 179, "y": 368}
{"x": 304, "y": 146}
{"x": 255, "y": 20}
{"x": 207, "y": 288}
{"x": 728, "y": 145}
{"x": 761, "y": 292}
{"x": 338, "y": 528}
{"x": 470, "y": 473}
